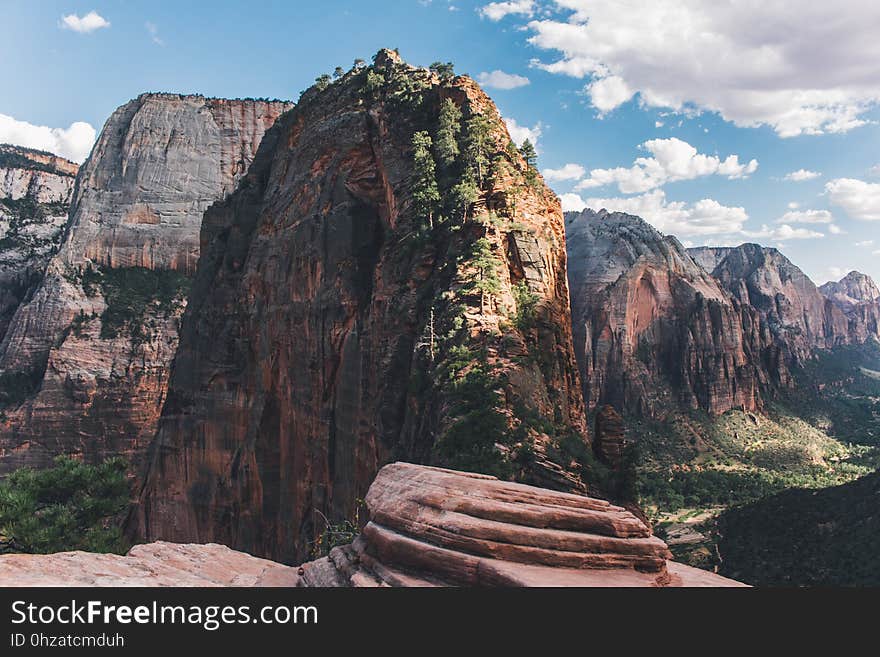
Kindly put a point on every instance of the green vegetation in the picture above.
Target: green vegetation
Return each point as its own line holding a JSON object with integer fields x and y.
{"x": 12, "y": 159}
{"x": 829, "y": 537}
{"x": 339, "y": 533}
{"x": 526, "y": 307}
{"x": 17, "y": 386}
{"x": 322, "y": 82}
{"x": 425, "y": 193}
{"x": 71, "y": 506}
{"x": 448, "y": 129}
{"x": 130, "y": 292}
{"x": 444, "y": 71}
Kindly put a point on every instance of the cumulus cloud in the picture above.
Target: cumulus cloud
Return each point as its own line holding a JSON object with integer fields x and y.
{"x": 834, "y": 229}
{"x": 671, "y": 160}
{"x": 806, "y": 217}
{"x": 860, "y": 199}
{"x": 703, "y": 218}
{"x": 74, "y": 142}
{"x": 783, "y": 233}
{"x": 495, "y": 11}
{"x": 799, "y": 66}
{"x": 566, "y": 172}
{"x": 501, "y": 80}
{"x": 85, "y": 24}
{"x": 572, "y": 203}
{"x": 519, "y": 133}
{"x": 865, "y": 243}
{"x": 802, "y": 174}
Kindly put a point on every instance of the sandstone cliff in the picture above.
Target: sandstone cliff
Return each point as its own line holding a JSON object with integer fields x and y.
{"x": 651, "y": 327}
{"x": 90, "y": 350}
{"x": 35, "y": 190}
{"x": 385, "y": 283}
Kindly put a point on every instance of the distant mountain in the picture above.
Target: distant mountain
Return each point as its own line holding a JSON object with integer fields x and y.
{"x": 652, "y": 327}
{"x": 851, "y": 290}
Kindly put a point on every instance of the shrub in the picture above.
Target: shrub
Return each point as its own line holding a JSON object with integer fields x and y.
{"x": 71, "y": 506}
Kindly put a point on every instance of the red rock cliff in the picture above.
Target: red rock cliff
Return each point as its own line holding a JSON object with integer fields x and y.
{"x": 338, "y": 320}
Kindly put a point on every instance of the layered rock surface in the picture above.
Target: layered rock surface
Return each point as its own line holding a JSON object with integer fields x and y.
{"x": 91, "y": 348}
{"x": 334, "y": 326}
{"x": 651, "y": 327}
{"x": 35, "y": 191}
{"x": 851, "y": 290}
{"x": 428, "y": 527}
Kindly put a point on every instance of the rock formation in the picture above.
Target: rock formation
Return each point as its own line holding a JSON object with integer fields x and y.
{"x": 342, "y": 316}
{"x": 651, "y": 327}
{"x": 428, "y": 527}
{"x": 851, "y": 290}
{"x": 90, "y": 350}
{"x": 609, "y": 437}
{"x": 35, "y": 190}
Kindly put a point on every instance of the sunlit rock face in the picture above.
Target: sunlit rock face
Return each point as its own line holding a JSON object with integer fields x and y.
{"x": 89, "y": 350}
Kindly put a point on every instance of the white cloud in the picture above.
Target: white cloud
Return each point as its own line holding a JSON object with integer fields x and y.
{"x": 608, "y": 93}
{"x": 501, "y": 80}
{"x": 837, "y": 273}
{"x": 782, "y": 233}
{"x": 705, "y": 217}
{"x": 86, "y": 24}
{"x": 519, "y": 133}
{"x": 860, "y": 199}
{"x": 566, "y": 172}
{"x": 153, "y": 31}
{"x": 799, "y": 66}
{"x": 658, "y": 124}
{"x": 874, "y": 170}
{"x": 74, "y": 142}
{"x": 495, "y": 11}
{"x": 834, "y": 229}
{"x": 802, "y": 174}
{"x": 672, "y": 160}
{"x": 572, "y": 203}
{"x": 806, "y": 217}
{"x": 865, "y": 243}
{"x": 794, "y": 205}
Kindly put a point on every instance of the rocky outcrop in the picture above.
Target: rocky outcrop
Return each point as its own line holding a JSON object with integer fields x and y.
{"x": 341, "y": 317}
{"x": 35, "y": 190}
{"x": 651, "y": 327}
{"x": 851, "y": 290}
{"x": 156, "y": 564}
{"x": 90, "y": 350}
{"x": 427, "y": 527}
{"x": 609, "y": 437}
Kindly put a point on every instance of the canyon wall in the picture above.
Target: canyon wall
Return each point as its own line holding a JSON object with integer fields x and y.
{"x": 35, "y": 191}
{"x": 344, "y": 316}
{"x": 89, "y": 351}
{"x": 651, "y": 327}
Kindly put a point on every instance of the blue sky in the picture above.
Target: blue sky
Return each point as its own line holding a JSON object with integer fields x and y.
{"x": 658, "y": 107}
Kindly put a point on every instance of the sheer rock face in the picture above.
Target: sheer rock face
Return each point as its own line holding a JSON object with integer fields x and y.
{"x": 651, "y": 327}
{"x": 609, "y": 437}
{"x": 320, "y": 335}
{"x": 35, "y": 190}
{"x": 93, "y": 389}
{"x": 790, "y": 317}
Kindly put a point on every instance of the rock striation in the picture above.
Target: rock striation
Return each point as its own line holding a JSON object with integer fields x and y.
{"x": 427, "y": 527}
{"x": 651, "y": 327}
{"x": 341, "y": 318}
{"x": 89, "y": 351}
{"x": 35, "y": 191}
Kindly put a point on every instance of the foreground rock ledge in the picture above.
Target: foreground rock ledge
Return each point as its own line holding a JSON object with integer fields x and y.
{"x": 428, "y": 527}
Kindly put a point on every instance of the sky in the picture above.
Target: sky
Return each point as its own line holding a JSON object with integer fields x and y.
{"x": 719, "y": 122}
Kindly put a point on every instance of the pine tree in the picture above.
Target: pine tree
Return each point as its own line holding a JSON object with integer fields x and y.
{"x": 323, "y": 81}
{"x": 448, "y": 127}
{"x": 444, "y": 71}
{"x": 477, "y": 132}
{"x": 527, "y": 150}
{"x": 338, "y": 72}
{"x": 487, "y": 264}
{"x": 464, "y": 194}
{"x": 425, "y": 193}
